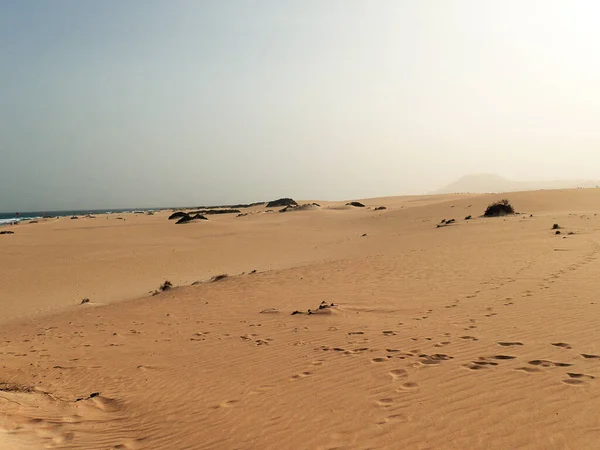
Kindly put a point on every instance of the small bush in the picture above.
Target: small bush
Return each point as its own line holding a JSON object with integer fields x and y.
{"x": 500, "y": 208}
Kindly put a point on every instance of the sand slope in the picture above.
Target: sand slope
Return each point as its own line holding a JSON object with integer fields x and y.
{"x": 481, "y": 334}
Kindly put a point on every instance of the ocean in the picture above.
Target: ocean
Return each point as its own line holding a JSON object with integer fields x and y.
{"x": 8, "y": 218}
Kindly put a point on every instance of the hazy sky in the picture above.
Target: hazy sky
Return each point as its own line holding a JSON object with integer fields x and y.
{"x": 142, "y": 103}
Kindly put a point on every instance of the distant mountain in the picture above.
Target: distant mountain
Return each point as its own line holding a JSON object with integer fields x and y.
{"x": 482, "y": 183}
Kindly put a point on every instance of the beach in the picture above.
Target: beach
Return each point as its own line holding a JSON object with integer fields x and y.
{"x": 408, "y": 332}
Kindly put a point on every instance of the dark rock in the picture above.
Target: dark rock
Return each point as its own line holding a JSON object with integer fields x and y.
{"x": 219, "y": 277}
{"x": 296, "y": 312}
{"x": 242, "y": 214}
{"x": 364, "y": 235}
{"x": 380, "y": 208}
{"x": 7, "y": 232}
{"x": 468, "y": 218}
{"x": 555, "y": 226}
{"x": 188, "y": 218}
{"x": 84, "y": 301}
{"x": 557, "y": 232}
{"x": 316, "y": 204}
{"x": 165, "y": 286}
{"x": 74, "y": 217}
{"x": 254, "y": 271}
{"x": 281, "y": 202}
{"x": 177, "y": 215}
{"x": 357, "y": 204}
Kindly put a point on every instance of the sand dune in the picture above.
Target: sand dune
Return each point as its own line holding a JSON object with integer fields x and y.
{"x": 481, "y": 334}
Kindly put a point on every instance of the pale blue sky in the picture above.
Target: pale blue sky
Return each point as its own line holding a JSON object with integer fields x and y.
{"x": 146, "y": 102}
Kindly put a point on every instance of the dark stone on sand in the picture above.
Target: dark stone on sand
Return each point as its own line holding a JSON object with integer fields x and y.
{"x": 242, "y": 214}
{"x": 557, "y": 232}
{"x": 380, "y": 208}
{"x": 254, "y": 271}
{"x": 165, "y": 286}
{"x": 7, "y": 232}
{"x": 188, "y": 218}
{"x": 219, "y": 277}
{"x": 356, "y": 204}
{"x": 84, "y": 301}
{"x": 282, "y": 202}
{"x": 468, "y": 218}
{"x": 74, "y": 217}
{"x": 450, "y": 221}
{"x": 364, "y": 234}
{"x": 177, "y": 215}
{"x": 296, "y": 312}
{"x": 316, "y": 204}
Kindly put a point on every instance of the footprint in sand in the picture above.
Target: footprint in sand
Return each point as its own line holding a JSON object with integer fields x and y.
{"x": 385, "y": 402}
{"x": 396, "y": 374}
{"x": 562, "y": 345}
{"x": 469, "y": 338}
{"x": 528, "y": 369}
{"x": 546, "y": 363}
{"x": 300, "y": 376}
{"x": 408, "y": 386}
{"x": 388, "y": 333}
{"x": 588, "y": 356}
{"x": 354, "y": 333}
{"x": 393, "y": 418}
{"x": 433, "y": 359}
{"x": 509, "y": 344}
{"x": 379, "y": 360}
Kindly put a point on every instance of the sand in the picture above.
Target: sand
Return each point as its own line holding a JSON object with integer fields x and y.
{"x": 481, "y": 334}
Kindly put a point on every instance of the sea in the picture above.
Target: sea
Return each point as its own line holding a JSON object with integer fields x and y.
{"x": 15, "y": 217}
